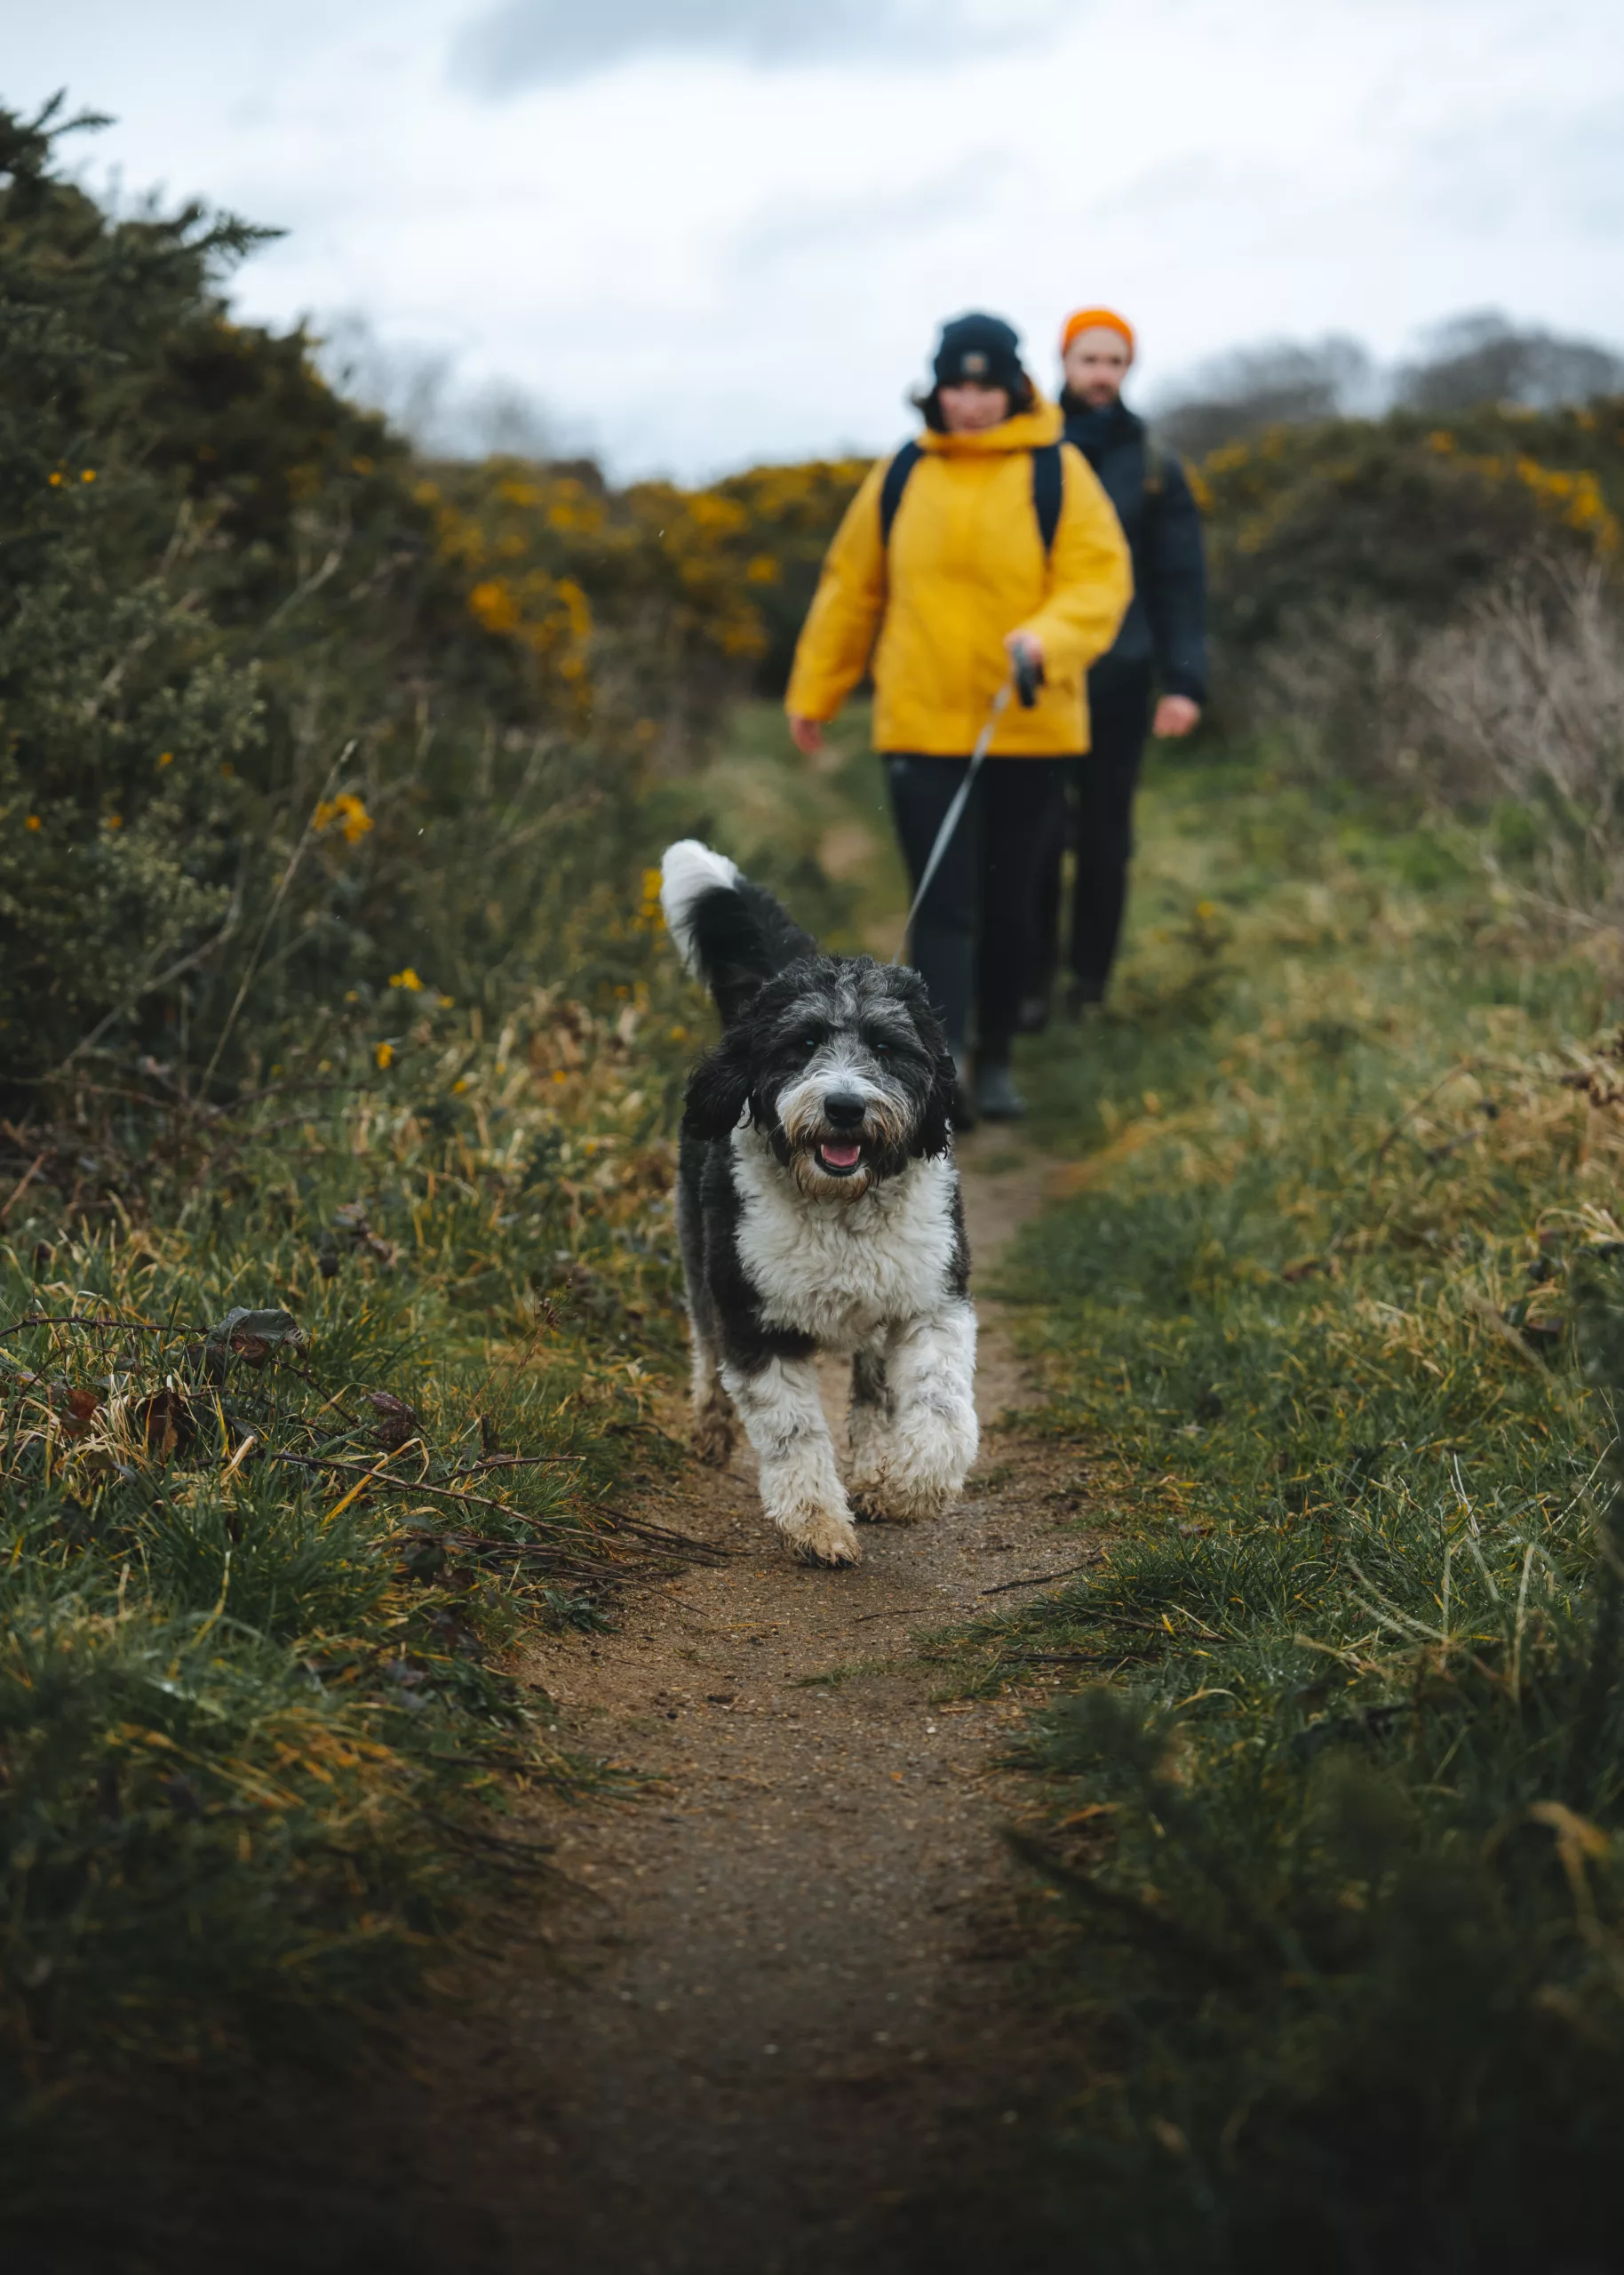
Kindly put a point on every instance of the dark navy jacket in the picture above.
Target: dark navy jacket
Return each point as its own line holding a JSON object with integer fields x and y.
{"x": 1166, "y": 621}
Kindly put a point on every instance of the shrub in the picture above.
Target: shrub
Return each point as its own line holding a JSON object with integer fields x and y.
{"x": 281, "y": 712}
{"x": 1524, "y": 700}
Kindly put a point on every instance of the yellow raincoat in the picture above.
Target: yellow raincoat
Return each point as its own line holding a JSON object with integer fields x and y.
{"x": 965, "y": 565}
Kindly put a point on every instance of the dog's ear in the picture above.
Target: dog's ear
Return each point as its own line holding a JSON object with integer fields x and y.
{"x": 719, "y": 1088}
{"x": 935, "y": 1130}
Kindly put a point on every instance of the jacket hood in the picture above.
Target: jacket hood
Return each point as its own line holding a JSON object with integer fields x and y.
{"x": 1027, "y": 430}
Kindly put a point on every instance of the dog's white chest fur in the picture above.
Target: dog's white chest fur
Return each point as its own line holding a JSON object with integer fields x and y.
{"x": 842, "y": 1272}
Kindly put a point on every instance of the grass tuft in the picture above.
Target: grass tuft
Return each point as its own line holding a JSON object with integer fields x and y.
{"x": 1333, "y": 1793}
{"x": 295, "y": 1445}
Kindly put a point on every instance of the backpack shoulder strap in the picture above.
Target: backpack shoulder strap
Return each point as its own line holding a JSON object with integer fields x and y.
{"x": 1048, "y": 491}
{"x": 896, "y": 482}
{"x": 1155, "y": 465}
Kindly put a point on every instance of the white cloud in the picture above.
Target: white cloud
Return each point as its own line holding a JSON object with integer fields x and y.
{"x": 706, "y": 257}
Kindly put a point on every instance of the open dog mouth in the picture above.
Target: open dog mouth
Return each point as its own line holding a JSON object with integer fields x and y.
{"x": 838, "y": 1159}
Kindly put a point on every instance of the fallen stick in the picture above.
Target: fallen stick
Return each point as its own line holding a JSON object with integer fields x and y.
{"x": 1038, "y": 1578}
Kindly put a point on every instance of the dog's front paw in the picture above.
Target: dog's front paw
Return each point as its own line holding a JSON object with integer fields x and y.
{"x": 822, "y": 1536}
{"x": 895, "y": 1500}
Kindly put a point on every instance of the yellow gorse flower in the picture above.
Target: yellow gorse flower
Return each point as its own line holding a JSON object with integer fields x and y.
{"x": 346, "y": 813}
{"x": 383, "y": 1052}
{"x": 493, "y": 605}
{"x": 650, "y": 917}
{"x": 408, "y": 979}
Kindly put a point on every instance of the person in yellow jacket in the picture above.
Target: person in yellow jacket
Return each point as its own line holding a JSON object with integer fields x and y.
{"x": 989, "y": 537}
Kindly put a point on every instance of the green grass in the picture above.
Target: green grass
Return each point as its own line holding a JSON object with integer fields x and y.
{"x": 262, "y": 1742}
{"x": 1334, "y": 1321}
{"x": 817, "y": 831}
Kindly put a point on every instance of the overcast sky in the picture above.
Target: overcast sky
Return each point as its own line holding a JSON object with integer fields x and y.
{"x": 707, "y": 232}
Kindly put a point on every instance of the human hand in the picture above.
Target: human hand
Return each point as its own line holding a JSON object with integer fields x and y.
{"x": 806, "y": 735}
{"x": 1175, "y": 715}
{"x": 1027, "y": 644}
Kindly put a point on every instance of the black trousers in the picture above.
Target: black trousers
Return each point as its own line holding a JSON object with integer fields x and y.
{"x": 976, "y": 939}
{"x": 1103, "y": 787}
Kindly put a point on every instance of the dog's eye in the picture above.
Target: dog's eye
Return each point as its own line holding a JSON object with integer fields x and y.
{"x": 810, "y": 1043}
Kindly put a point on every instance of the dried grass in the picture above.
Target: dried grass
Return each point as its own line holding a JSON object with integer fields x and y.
{"x": 1339, "y": 1337}
{"x": 259, "y": 1586}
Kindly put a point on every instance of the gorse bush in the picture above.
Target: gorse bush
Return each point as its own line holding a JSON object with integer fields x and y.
{"x": 1338, "y": 551}
{"x": 1396, "y": 512}
{"x": 123, "y": 725}
{"x": 697, "y": 591}
{"x": 171, "y": 705}
{"x": 339, "y": 1064}
{"x": 280, "y": 714}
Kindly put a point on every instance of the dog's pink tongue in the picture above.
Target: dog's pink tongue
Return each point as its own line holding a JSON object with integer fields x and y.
{"x": 842, "y": 1157}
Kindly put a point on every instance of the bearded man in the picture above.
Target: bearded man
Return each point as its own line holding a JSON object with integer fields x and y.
{"x": 1160, "y": 648}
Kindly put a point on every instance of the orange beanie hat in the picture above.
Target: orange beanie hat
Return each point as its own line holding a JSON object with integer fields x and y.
{"x": 1093, "y": 319}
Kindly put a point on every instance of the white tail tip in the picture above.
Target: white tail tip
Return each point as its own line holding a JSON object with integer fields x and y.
{"x": 688, "y": 871}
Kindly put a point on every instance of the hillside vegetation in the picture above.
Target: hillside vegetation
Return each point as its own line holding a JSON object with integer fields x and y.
{"x": 1332, "y": 1322}
{"x": 341, "y": 1059}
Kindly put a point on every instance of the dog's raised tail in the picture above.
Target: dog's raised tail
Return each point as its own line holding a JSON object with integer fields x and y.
{"x": 730, "y": 933}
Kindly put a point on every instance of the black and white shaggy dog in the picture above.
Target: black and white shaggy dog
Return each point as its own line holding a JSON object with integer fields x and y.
{"x": 818, "y": 1210}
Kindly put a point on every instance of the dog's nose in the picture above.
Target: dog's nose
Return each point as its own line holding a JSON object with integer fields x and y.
{"x": 843, "y": 1109}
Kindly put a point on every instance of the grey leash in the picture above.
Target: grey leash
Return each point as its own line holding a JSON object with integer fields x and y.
{"x": 1023, "y": 678}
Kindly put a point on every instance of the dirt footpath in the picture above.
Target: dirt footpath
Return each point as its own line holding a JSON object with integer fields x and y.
{"x": 785, "y": 1986}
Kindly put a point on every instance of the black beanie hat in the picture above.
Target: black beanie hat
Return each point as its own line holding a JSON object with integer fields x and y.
{"x": 980, "y": 347}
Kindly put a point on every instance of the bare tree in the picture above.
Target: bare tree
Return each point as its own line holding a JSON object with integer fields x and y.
{"x": 1469, "y": 360}
{"x": 418, "y": 392}
{"x": 1481, "y": 358}
{"x": 1278, "y": 382}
